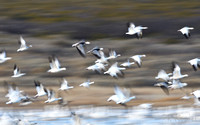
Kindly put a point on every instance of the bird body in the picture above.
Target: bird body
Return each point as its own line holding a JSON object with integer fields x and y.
{"x": 96, "y": 52}
{"x": 163, "y": 75}
{"x": 132, "y": 29}
{"x": 127, "y": 64}
{"x": 121, "y": 97}
{"x": 164, "y": 86}
{"x": 3, "y": 57}
{"x": 195, "y": 63}
{"x": 80, "y": 46}
{"x": 177, "y": 73}
{"x": 23, "y": 45}
{"x": 186, "y": 31}
{"x": 86, "y": 84}
{"x": 99, "y": 67}
{"x": 41, "y": 91}
{"x": 17, "y": 72}
{"x": 114, "y": 70}
{"x": 177, "y": 84}
{"x": 65, "y": 86}
{"x": 51, "y": 97}
{"x": 137, "y": 59}
{"x": 54, "y": 65}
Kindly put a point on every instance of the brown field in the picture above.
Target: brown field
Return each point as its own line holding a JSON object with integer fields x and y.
{"x": 34, "y": 62}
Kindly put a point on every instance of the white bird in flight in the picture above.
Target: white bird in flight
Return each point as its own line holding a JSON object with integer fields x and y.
{"x": 137, "y": 59}
{"x": 99, "y": 67}
{"x": 3, "y": 57}
{"x": 177, "y": 84}
{"x": 95, "y": 51}
{"x": 41, "y": 91}
{"x": 197, "y": 97}
{"x": 113, "y": 54}
{"x": 121, "y": 97}
{"x": 132, "y": 29}
{"x": 163, "y": 75}
{"x": 51, "y": 97}
{"x": 127, "y": 64}
{"x": 86, "y": 84}
{"x": 80, "y": 46}
{"x": 17, "y": 72}
{"x": 195, "y": 63}
{"x": 186, "y": 31}
{"x": 23, "y": 45}
{"x": 164, "y": 86}
{"x": 64, "y": 85}
{"x": 54, "y": 65}
{"x": 177, "y": 72}
{"x": 114, "y": 70}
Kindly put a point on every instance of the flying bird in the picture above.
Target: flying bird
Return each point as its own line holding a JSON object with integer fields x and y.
{"x": 132, "y": 29}
{"x": 121, "y": 97}
{"x": 98, "y": 67}
{"x": 113, "y": 54}
{"x": 137, "y": 59}
{"x": 177, "y": 72}
{"x": 17, "y": 72}
{"x": 3, "y": 57}
{"x": 186, "y": 31}
{"x": 51, "y": 97}
{"x": 114, "y": 70}
{"x": 163, "y": 75}
{"x": 41, "y": 91}
{"x": 96, "y": 52}
{"x": 54, "y": 65}
{"x": 80, "y": 46}
{"x": 65, "y": 86}
{"x": 164, "y": 86}
{"x": 177, "y": 84}
{"x": 127, "y": 64}
{"x": 195, "y": 63}
{"x": 23, "y": 45}
{"x": 86, "y": 84}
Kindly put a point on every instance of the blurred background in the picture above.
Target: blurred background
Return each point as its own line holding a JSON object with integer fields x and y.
{"x": 53, "y": 26}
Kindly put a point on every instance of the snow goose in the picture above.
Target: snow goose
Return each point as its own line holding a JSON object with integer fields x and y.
{"x": 41, "y": 91}
{"x": 177, "y": 72}
{"x": 15, "y": 96}
{"x": 137, "y": 59}
{"x": 163, "y": 75}
{"x": 3, "y": 57}
{"x": 132, "y": 29}
{"x": 23, "y": 45}
{"x": 114, "y": 70}
{"x": 54, "y": 65}
{"x": 17, "y": 72}
{"x": 86, "y": 84}
{"x": 164, "y": 86}
{"x": 64, "y": 85}
{"x": 177, "y": 84}
{"x": 95, "y": 51}
{"x": 98, "y": 67}
{"x": 186, "y": 31}
{"x": 113, "y": 54}
{"x": 127, "y": 64}
{"x": 197, "y": 97}
{"x": 195, "y": 63}
{"x": 80, "y": 46}
{"x": 51, "y": 97}
{"x": 121, "y": 97}
{"x": 103, "y": 59}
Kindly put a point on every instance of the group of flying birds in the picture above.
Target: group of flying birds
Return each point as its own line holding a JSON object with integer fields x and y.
{"x": 170, "y": 80}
